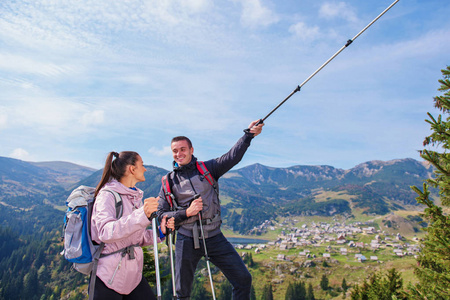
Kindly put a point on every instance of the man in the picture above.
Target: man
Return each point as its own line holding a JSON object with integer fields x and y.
{"x": 186, "y": 181}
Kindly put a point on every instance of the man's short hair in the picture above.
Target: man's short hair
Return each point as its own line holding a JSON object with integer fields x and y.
{"x": 182, "y": 138}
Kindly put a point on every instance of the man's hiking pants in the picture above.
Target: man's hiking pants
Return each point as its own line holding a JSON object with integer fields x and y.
{"x": 222, "y": 254}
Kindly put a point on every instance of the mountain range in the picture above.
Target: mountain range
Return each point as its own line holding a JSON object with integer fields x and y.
{"x": 249, "y": 195}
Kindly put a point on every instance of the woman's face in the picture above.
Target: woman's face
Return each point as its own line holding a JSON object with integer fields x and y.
{"x": 139, "y": 170}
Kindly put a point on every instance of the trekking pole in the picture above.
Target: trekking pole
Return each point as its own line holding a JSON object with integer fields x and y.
{"x": 170, "y": 199}
{"x": 322, "y": 66}
{"x": 172, "y": 267}
{"x": 206, "y": 251}
{"x": 206, "y": 255}
{"x": 155, "y": 253}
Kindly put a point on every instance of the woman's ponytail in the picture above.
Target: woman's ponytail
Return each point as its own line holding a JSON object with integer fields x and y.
{"x": 106, "y": 172}
{"x": 115, "y": 167}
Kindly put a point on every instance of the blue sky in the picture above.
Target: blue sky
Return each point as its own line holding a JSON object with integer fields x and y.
{"x": 81, "y": 78}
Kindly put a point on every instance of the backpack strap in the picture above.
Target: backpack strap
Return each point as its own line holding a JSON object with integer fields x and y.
{"x": 119, "y": 207}
{"x": 119, "y": 204}
{"x": 204, "y": 171}
{"x": 97, "y": 254}
{"x": 167, "y": 191}
{"x": 170, "y": 197}
{"x": 94, "y": 271}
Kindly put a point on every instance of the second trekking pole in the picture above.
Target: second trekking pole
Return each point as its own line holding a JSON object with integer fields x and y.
{"x": 206, "y": 254}
{"x": 172, "y": 266}
{"x": 155, "y": 253}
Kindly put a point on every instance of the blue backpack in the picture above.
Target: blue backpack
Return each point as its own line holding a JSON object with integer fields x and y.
{"x": 78, "y": 246}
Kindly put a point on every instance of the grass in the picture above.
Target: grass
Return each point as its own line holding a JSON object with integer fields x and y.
{"x": 237, "y": 210}
{"x": 60, "y": 207}
{"x": 322, "y": 196}
{"x": 270, "y": 270}
{"x": 225, "y": 200}
{"x": 406, "y": 213}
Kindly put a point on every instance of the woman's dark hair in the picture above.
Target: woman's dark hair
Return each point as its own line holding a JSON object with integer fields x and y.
{"x": 115, "y": 167}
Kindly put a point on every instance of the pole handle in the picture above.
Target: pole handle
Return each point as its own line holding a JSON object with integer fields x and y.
{"x": 152, "y": 216}
{"x": 260, "y": 121}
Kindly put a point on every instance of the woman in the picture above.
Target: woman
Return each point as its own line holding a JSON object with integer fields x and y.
{"x": 119, "y": 275}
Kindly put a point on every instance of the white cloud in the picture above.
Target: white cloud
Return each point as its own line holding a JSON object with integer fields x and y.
{"x": 3, "y": 121}
{"x": 304, "y": 32}
{"x": 24, "y": 65}
{"x": 17, "y": 83}
{"x": 110, "y": 29}
{"x": 20, "y": 153}
{"x": 395, "y": 57}
{"x": 93, "y": 118}
{"x": 165, "y": 151}
{"x": 42, "y": 31}
{"x": 53, "y": 116}
{"x": 194, "y": 6}
{"x": 255, "y": 14}
{"x": 331, "y": 10}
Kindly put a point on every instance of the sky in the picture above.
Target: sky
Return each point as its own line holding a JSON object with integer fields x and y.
{"x": 79, "y": 78}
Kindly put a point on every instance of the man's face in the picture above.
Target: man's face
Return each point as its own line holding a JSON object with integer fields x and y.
{"x": 181, "y": 152}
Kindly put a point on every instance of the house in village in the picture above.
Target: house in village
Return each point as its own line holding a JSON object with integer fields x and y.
{"x": 359, "y": 244}
{"x": 374, "y": 244}
{"x": 286, "y": 245}
{"x": 399, "y": 252}
{"x": 369, "y": 230}
{"x": 341, "y": 239}
{"x": 360, "y": 257}
{"x": 304, "y": 252}
{"x": 413, "y": 250}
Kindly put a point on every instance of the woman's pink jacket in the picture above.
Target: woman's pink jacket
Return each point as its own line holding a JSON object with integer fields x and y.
{"x": 120, "y": 273}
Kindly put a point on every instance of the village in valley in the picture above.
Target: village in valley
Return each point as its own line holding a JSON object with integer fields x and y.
{"x": 357, "y": 241}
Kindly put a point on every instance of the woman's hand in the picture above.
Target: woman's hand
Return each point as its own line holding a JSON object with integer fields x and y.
{"x": 167, "y": 224}
{"x": 150, "y": 206}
